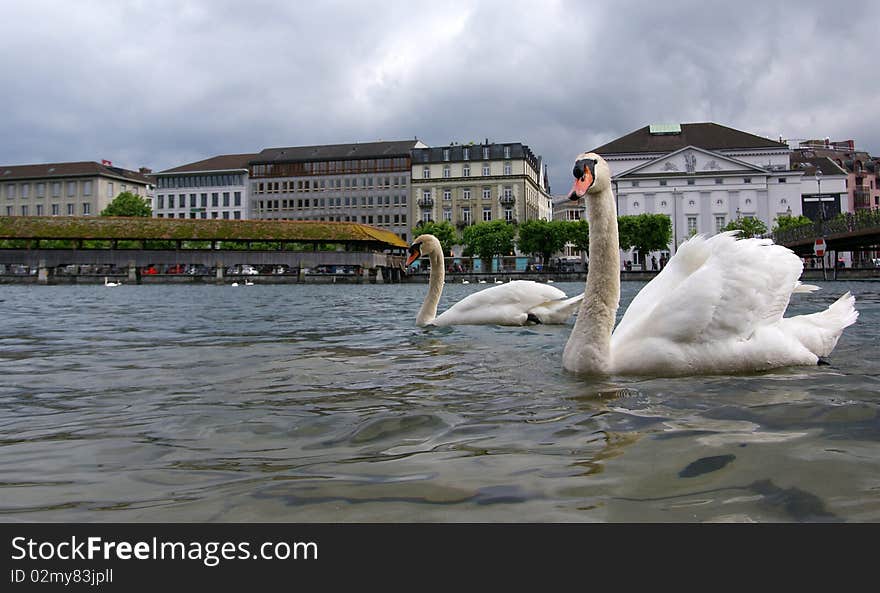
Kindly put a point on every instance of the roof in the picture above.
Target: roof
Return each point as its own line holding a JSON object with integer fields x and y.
{"x": 222, "y": 162}
{"x": 518, "y": 150}
{"x": 60, "y": 170}
{"x": 109, "y": 227}
{"x": 809, "y": 165}
{"x": 710, "y": 136}
{"x": 337, "y": 152}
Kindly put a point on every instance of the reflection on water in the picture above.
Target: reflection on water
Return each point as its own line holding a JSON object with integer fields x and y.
{"x": 326, "y": 403}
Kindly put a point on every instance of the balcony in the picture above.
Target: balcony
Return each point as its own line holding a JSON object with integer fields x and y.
{"x": 507, "y": 200}
{"x": 426, "y": 203}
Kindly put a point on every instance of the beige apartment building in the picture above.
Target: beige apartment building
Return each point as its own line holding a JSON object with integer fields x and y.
{"x": 469, "y": 183}
{"x": 67, "y": 189}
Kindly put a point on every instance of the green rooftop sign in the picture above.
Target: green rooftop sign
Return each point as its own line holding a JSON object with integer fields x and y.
{"x": 658, "y": 129}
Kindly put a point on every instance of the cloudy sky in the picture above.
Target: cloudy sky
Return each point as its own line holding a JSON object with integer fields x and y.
{"x": 163, "y": 83}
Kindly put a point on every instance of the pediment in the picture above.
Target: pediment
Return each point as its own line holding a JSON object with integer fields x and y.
{"x": 691, "y": 160}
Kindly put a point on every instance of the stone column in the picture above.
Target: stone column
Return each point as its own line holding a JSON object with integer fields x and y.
{"x": 219, "y": 273}
{"x": 132, "y": 272}
{"x": 42, "y": 272}
{"x": 379, "y": 278}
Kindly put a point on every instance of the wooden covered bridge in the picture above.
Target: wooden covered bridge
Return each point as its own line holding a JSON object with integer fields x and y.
{"x": 148, "y": 249}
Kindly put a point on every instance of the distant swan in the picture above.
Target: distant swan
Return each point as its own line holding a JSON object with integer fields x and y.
{"x": 716, "y": 307}
{"x": 248, "y": 282}
{"x": 514, "y": 303}
{"x": 109, "y": 283}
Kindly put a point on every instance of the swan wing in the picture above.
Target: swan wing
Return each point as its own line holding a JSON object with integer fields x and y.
{"x": 502, "y": 304}
{"x": 713, "y": 290}
{"x": 557, "y": 312}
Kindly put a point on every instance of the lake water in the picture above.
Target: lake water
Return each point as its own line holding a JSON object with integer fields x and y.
{"x": 326, "y": 403}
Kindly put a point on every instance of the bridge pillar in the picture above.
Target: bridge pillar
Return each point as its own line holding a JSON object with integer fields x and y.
{"x": 132, "y": 272}
{"x": 43, "y": 273}
{"x": 219, "y": 274}
{"x": 379, "y": 278}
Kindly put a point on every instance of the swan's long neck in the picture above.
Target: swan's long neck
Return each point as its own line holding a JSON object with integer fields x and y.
{"x": 588, "y": 350}
{"x": 435, "y": 288}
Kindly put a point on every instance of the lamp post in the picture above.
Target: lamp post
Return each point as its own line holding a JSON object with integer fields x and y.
{"x": 674, "y": 220}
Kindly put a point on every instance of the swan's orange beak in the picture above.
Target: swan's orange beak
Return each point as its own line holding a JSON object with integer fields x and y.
{"x": 414, "y": 254}
{"x": 581, "y": 185}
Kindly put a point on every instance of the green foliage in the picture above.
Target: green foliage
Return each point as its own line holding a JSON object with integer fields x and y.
{"x": 542, "y": 237}
{"x": 785, "y": 222}
{"x": 750, "y": 227}
{"x": 444, "y": 231}
{"x": 488, "y": 239}
{"x": 578, "y": 234}
{"x": 127, "y": 204}
{"x": 646, "y": 233}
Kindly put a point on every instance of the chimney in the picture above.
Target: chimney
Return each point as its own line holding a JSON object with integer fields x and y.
{"x": 145, "y": 171}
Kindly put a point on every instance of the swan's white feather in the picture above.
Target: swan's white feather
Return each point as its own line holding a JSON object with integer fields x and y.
{"x": 502, "y": 304}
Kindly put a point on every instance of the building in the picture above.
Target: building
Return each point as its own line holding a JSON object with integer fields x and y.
{"x": 68, "y": 189}
{"x": 569, "y": 210}
{"x": 823, "y": 186}
{"x": 469, "y": 183}
{"x": 365, "y": 182}
{"x": 862, "y": 170}
{"x": 702, "y": 175}
{"x": 212, "y": 188}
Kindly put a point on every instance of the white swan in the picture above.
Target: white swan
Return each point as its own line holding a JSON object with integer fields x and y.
{"x": 513, "y": 303}
{"x": 248, "y": 282}
{"x": 109, "y": 283}
{"x": 716, "y": 307}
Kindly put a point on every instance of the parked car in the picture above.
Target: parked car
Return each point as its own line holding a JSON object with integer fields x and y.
{"x": 249, "y": 270}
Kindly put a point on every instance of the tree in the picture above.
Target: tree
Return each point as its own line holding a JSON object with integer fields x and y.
{"x": 785, "y": 222}
{"x": 444, "y": 231}
{"x": 542, "y": 237}
{"x": 127, "y": 204}
{"x": 645, "y": 233}
{"x": 488, "y": 239}
{"x": 578, "y": 234}
{"x": 749, "y": 227}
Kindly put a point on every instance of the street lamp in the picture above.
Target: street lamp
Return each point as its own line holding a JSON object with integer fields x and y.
{"x": 674, "y": 220}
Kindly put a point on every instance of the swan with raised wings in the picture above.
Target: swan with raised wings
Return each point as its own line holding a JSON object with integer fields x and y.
{"x": 514, "y": 303}
{"x": 717, "y": 306}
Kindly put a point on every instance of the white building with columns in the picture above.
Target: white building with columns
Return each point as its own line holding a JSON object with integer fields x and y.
{"x": 702, "y": 175}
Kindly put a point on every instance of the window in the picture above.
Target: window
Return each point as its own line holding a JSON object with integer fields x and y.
{"x": 56, "y": 209}
{"x": 747, "y": 180}
{"x": 39, "y": 209}
{"x": 718, "y": 181}
{"x": 87, "y": 188}
{"x": 56, "y": 189}
{"x": 86, "y": 209}
{"x": 635, "y": 183}
{"x": 447, "y": 214}
{"x": 171, "y": 201}
{"x": 508, "y": 193}
{"x": 485, "y": 169}
{"x": 487, "y": 213}
{"x": 447, "y": 194}
{"x": 508, "y": 214}
{"x": 507, "y": 152}
{"x": 215, "y": 200}
{"x": 160, "y": 202}
{"x": 508, "y": 168}
{"x": 226, "y": 199}
{"x": 9, "y": 210}
{"x": 466, "y": 215}
{"x": 236, "y": 199}
{"x": 783, "y": 180}
{"x": 70, "y": 210}
{"x": 663, "y": 182}
{"x": 466, "y": 153}
{"x": 485, "y": 152}
{"x": 690, "y": 182}
{"x": 487, "y": 193}
{"x": 41, "y": 190}
{"x": 10, "y": 191}
{"x": 445, "y": 171}
{"x": 426, "y": 172}
{"x": 720, "y": 223}
{"x": 466, "y": 193}
{"x": 466, "y": 171}
{"x": 445, "y": 154}
{"x": 110, "y": 189}
{"x": 193, "y": 200}
{"x": 25, "y": 190}
{"x": 71, "y": 189}
{"x": 692, "y": 225}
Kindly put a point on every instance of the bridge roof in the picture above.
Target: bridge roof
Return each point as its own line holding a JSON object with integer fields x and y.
{"x": 186, "y": 229}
